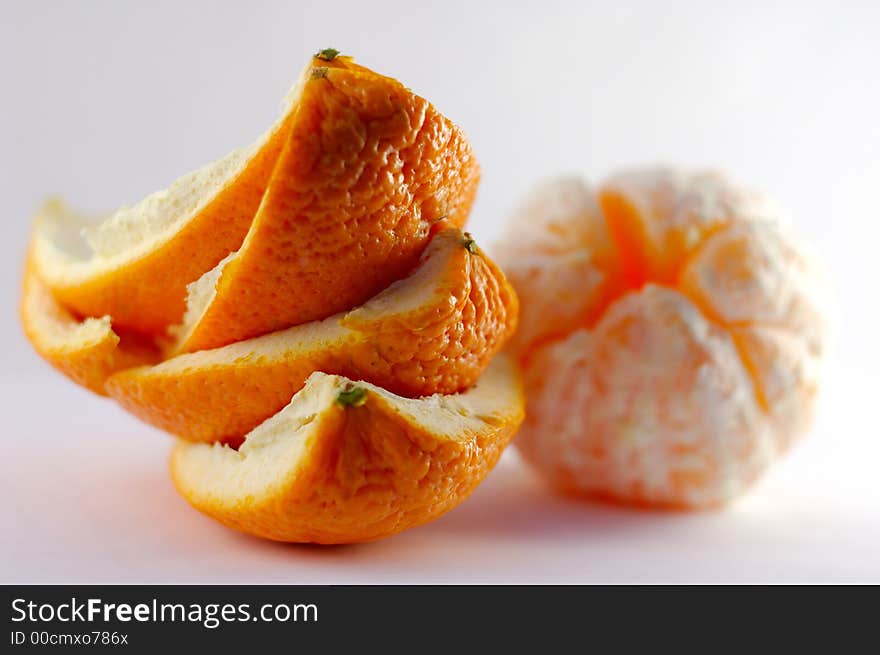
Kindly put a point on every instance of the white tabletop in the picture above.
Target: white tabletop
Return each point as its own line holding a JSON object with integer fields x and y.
{"x": 105, "y": 102}
{"x": 87, "y": 498}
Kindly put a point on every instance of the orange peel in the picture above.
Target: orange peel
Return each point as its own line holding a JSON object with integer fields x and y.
{"x": 368, "y": 170}
{"x": 347, "y": 462}
{"x": 325, "y": 263}
{"x": 136, "y": 263}
{"x": 431, "y": 332}
{"x": 86, "y": 351}
{"x": 351, "y": 177}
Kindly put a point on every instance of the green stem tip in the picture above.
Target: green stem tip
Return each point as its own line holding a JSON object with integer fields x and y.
{"x": 469, "y": 244}
{"x": 351, "y": 396}
{"x": 327, "y": 54}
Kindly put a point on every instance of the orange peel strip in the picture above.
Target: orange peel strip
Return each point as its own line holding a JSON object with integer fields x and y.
{"x": 348, "y": 461}
{"x": 135, "y": 264}
{"x": 87, "y": 351}
{"x": 327, "y": 252}
{"x": 369, "y": 169}
{"x": 433, "y": 331}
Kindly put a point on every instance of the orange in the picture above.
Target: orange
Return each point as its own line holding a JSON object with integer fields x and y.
{"x": 431, "y": 332}
{"x": 348, "y": 461}
{"x": 675, "y": 332}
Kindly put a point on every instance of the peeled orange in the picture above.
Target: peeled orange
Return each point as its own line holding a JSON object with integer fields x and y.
{"x": 673, "y": 332}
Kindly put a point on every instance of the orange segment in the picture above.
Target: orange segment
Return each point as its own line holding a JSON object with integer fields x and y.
{"x": 652, "y": 406}
{"x": 559, "y": 253}
{"x": 658, "y": 216}
{"x": 786, "y": 375}
{"x": 432, "y": 332}
{"x": 758, "y": 273}
{"x": 135, "y": 265}
{"x": 368, "y": 170}
{"x": 88, "y": 351}
{"x": 687, "y": 362}
{"x": 348, "y": 461}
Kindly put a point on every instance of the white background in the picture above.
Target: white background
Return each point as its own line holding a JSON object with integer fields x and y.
{"x": 105, "y": 102}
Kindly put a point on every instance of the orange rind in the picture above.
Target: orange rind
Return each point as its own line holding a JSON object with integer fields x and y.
{"x": 431, "y": 332}
{"x": 348, "y": 461}
{"x": 324, "y": 264}
{"x": 368, "y": 170}
{"x": 87, "y": 351}
{"x": 333, "y": 203}
{"x": 135, "y": 264}
{"x": 676, "y": 350}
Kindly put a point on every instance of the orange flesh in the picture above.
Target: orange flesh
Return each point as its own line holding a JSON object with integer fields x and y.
{"x": 634, "y": 262}
{"x": 638, "y": 263}
{"x": 630, "y": 241}
{"x": 636, "y": 259}
{"x": 696, "y": 294}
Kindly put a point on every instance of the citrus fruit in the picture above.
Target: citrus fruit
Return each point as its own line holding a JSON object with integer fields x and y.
{"x": 348, "y": 461}
{"x": 433, "y": 331}
{"x": 674, "y": 329}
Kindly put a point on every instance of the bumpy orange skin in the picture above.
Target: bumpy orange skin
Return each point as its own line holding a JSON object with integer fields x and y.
{"x": 686, "y": 362}
{"x": 368, "y": 170}
{"x": 444, "y": 345}
{"x": 358, "y": 195}
{"x": 370, "y": 472}
{"x": 440, "y": 346}
{"x": 348, "y": 494}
